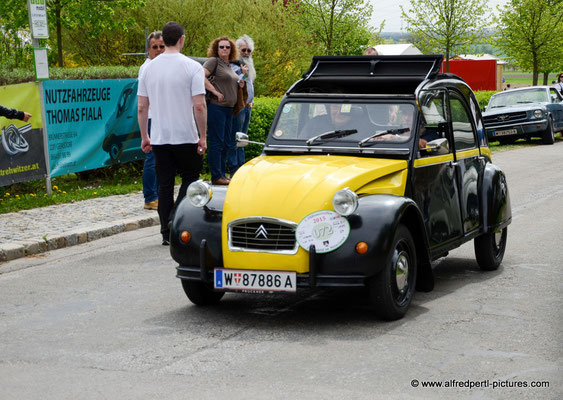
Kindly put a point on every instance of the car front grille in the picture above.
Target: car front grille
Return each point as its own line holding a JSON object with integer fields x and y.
{"x": 505, "y": 118}
{"x": 262, "y": 234}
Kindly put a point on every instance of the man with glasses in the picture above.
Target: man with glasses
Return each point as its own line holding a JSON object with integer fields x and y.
{"x": 172, "y": 85}
{"x": 150, "y": 183}
{"x": 246, "y": 71}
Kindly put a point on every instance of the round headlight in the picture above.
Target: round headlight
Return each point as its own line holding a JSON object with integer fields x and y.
{"x": 345, "y": 202}
{"x": 538, "y": 113}
{"x": 199, "y": 193}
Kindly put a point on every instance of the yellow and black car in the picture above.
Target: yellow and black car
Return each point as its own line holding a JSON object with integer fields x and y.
{"x": 374, "y": 167}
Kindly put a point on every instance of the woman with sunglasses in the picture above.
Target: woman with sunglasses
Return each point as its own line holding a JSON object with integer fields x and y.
{"x": 559, "y": 84}
{"x": 220, "y": 106}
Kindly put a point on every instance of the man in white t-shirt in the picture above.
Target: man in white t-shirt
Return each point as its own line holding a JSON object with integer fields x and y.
{"x": 150, "y": 184}
{"x": 173, "y": 86}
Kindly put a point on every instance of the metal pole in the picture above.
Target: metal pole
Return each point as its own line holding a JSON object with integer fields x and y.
{"x": 35, "y": 45}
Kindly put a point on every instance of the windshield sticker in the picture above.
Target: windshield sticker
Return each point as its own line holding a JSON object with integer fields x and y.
{"x": 326, "y": 230}
{"x": 287, "y": 108}
{"x": 278, "y": 133}
{"x": 345, "y": 108}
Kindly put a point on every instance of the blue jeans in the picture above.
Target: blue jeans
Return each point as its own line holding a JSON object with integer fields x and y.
{"x": 150, "y": 183}
{"x": 235, "y": 155}
{"x": 219, "y": 121}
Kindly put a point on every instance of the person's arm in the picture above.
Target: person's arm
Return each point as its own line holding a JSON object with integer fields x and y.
{"x": 12, "y": 113}
{"x": 200, "y": 114}
{"x": 143, "y": 117}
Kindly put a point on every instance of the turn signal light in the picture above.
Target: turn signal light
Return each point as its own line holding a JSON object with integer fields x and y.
{"x": 361, "y": 248}
{"x": 185, "y": 236}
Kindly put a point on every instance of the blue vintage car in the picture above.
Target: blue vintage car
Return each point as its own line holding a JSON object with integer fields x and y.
{"x": 535, "y": 111}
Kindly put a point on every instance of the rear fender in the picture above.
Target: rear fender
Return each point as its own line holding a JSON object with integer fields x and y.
{"x": 495, "y": 199}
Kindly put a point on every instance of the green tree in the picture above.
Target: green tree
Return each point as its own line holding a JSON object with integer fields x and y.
{"x": 283, "y": 47}
{"x": 91, "y": 17}
{"x": 451, "y": 27}
{"x": 341, "y": 26}
{"x": 530, "y": 32}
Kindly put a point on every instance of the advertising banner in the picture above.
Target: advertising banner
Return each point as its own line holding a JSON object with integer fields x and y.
{"x": 22, "y": 154}
{"x": 91, "y": 124}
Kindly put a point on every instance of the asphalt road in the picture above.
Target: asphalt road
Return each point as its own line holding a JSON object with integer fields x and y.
{"x": 109, "y": 320}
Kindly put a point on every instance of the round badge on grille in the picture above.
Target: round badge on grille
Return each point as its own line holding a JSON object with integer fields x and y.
{"x": 326, "y": 230}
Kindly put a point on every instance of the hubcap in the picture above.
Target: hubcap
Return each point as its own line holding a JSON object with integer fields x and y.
{"x": 402, "y": 272}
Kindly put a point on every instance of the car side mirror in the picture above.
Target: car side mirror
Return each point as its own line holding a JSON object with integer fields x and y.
{"x": 242, "y": 140}
{"x": 438, "y": 146}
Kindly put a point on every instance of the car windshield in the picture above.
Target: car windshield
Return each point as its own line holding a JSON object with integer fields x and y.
{"x": 509, "y": 98}
{"x": 316, "y": 123}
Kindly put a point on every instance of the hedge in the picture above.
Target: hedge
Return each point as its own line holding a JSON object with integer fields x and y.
{"x": 12, "y": 76}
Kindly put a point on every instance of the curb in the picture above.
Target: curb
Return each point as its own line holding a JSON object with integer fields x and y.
{"x": 51, "y": 241}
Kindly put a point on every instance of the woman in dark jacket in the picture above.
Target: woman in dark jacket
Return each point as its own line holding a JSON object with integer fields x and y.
{"x": 224, "y": 89}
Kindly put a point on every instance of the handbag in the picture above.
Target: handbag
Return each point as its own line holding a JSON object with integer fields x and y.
{"x": 208, "y": 95}
{"x": 242, "y": 98}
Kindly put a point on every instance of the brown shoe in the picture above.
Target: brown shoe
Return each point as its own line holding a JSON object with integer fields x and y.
{"x": 153, "y": 205}
{"x": 221, "y": 181}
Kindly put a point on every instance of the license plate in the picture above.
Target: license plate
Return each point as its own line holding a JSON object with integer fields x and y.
{"x": 506, "y": 132}
{"x": 255, "y": 281}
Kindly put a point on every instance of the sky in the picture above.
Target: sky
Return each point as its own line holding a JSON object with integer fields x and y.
{"x": 390, "y": 11}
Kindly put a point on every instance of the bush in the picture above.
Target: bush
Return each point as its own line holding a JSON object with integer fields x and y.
{"x": 261, "y": 120}
{"x": 9, "y": 76}
{"x": 483, "y": 97}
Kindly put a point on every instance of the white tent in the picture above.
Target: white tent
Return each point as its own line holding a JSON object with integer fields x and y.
{"x": 397, "y": 49}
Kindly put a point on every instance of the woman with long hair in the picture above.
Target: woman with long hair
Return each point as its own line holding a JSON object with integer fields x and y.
{"x": 223, "y": 92}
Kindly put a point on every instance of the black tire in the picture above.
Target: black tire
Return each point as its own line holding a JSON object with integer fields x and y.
{"x": 548, "y": 136}
{"x": 201, "y": 294}
{"x": 489, "y": 249}
{"x": 391, "y": 291}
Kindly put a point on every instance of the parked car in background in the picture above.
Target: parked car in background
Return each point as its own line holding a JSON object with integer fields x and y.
{"x": 535, "y": 111}
{"x": 373, "y": 168}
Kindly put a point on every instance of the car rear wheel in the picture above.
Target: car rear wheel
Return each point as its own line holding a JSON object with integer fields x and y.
{"x": 489, "y": 249}
{"x": 391, "y": 291}
{"x": 548, "y": 136}
{"x": 201, "y": 294}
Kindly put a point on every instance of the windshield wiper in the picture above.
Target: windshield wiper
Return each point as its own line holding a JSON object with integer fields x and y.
{"x": 331, "y": 134}
{"x": 382, "y": 133}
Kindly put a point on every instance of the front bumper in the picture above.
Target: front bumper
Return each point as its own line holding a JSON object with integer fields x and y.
{"x": 313, "y": 279}
{"x": 522, "y": 129}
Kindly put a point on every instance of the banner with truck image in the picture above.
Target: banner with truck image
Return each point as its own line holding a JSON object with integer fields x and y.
{"x": 22, "y": 153}
{"x": 91, "y": 124}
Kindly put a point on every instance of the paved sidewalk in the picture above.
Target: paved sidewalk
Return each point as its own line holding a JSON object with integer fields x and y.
{"x": 35, "y": 231}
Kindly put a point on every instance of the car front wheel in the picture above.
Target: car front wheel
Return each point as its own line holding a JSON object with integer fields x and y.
{"x": 548, "y": 136}
{"x": 489, "y": 249}
{"x": 201, "y": 294}
{"x": 391, "y": 291}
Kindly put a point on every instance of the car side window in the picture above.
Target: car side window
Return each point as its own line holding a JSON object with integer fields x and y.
{"x": 464, "y": 137}
{"x": 555, "y": 96}
{"x": 434, "y": 118}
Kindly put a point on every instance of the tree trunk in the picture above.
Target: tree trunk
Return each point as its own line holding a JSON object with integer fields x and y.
{"x": 545, "y": 77}
{"x": 59, "y": 36}
{"x": 535, "y": 70}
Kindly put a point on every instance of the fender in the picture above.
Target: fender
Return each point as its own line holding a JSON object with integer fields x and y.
{"x": 495, "y": 200}
{"x": 375, "y": 222}
{"x": 202, "y": 223}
